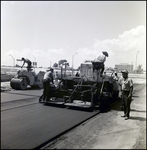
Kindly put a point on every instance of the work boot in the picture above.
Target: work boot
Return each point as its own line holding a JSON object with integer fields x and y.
{"x": 123, "y": 116}
{"x": 126, "y": 118}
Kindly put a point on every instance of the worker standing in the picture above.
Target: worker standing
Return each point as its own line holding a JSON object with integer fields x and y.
{"x": 98, "y": 63}
{"x": 127, "y": 89}
{"x": 47, "y": 82}
{"x": 29, "y": 63}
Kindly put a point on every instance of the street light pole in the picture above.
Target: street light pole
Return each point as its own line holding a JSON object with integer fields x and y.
{"x": 34, "y": 58}
{"x": 13, "y": 60}
{"x": 73, "y": 61}
{"x": 136, "y": 61}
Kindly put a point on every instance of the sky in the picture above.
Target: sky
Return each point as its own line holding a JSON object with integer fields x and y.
{"x": 48, "y": 31}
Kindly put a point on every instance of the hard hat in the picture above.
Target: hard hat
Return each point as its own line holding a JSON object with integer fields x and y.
{"x": 105, "y": 53}
{"x": 125, "y": 71}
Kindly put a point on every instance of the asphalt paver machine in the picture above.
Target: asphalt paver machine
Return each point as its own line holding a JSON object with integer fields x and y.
{"x": 89, "y": 91}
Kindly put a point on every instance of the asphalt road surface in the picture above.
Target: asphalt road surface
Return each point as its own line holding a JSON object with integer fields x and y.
{"x": 109, "y": 130}
{"x": 28, "y": 124}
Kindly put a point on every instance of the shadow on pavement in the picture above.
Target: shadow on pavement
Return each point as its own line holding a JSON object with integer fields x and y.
{"x": 33, "y": 88}
{"x": 138, "y": 110}
{"x": 138, "y": 118}
{"x": 116, "y": 105}
{"x": 135, "y": 96}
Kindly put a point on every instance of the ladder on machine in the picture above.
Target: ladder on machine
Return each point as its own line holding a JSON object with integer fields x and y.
{"x": 79, "y": 83}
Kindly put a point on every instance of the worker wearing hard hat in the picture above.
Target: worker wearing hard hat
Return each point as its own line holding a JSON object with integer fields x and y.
{"x": 98, "y": 63}
{"x": 47, "y": 82}
{"x": 127, "y": 89}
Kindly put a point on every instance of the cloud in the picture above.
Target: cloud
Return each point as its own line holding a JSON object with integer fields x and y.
{"x": 43, "y": 58}
{"x": 85, "y": 51}
{"x": 128, "y": 41}
{"x": 26, "y": 52}
{"x": 121, "y": 50}
{"x": 57, "y": 51}
{"x": 133, "y": 40}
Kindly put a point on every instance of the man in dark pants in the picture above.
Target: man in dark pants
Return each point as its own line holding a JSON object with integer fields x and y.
{"x": 98, "y": 63}
{"x": 28, "y": 62}
{"x": 47, "y": 81}
{"x": 127, "y": 89}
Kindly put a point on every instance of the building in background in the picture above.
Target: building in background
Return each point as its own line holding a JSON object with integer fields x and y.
{"x": 123, "y": 66}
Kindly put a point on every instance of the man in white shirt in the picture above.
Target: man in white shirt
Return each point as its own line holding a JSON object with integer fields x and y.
{"x": 98, "y": 63}
{"x": 127, "y": 89}
{"x": 47, "y": 81}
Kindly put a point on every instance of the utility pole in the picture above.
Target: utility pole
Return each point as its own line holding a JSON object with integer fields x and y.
{"x": 13, "y": 60}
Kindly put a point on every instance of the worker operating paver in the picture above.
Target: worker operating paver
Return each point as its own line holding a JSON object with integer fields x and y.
{"x": 47, "y": 81}
{"x": 98, "y": 63}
